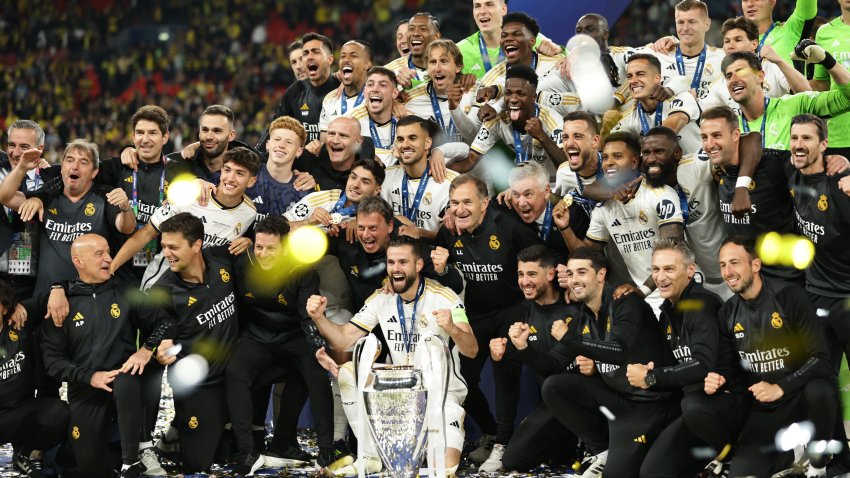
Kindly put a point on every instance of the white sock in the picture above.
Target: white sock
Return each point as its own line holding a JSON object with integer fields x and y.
{"x": 340, "y": 421}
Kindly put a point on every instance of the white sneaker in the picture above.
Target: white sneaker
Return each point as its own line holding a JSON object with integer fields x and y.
{"x": 593, "y": 465}
{"x": 494, "y": 462}
{"x": 813, "y": 472}
{"x": 373, "y": 465}
{"x": 151, "y": 463}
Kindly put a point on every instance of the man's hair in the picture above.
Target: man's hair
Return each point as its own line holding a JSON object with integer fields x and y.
{"x": 741, "y": 23}
{"x": 297, "y": 45}
{"x": 403, "y": 21}
{"x": 663, "y": 131}
{"x": 376, "y": 204}
{"x": 585, "y": 116}
{"x": 721, "y": 112}
{"x": 367, "y": 47}
{"x": 154, "y": 114}
{"x": 521, "y": 17}
{"x": 747, "y": 242}
{"x": 220, "y": 110}
{"x": 87, "y": 147}
{"x": 450, "y": 47}
{"x": 242, "y": 156}
{"x": 380, "y": 70}
{"x": 480, "y": 186}
{"x": 808, "y": 118}
{"x": 435, "y": 22}
{"x": 8, "y": 299}
{"x": 327, "y": 44}
{"x": 688, "y": 5}
{"x": 427, "y": 125}
{"x": 595, "y": 256}
{"x": 522, "y": 72}
{"x": 538, "y": 253}
{"x": 290, "y": 123}
{"x": 651, "y": 59}
{"x": 401, "y": 241}
{"x": 751, "y": 59}
{"x": 191, "y": 227}
{"x": 529, "y": 170}
{"x": 630, "y": 139}
{"x": 29, "y": 124}
{"x": 676, "y": 245}
{"x": 274, "y": 225}
{"x": 373, "y": 167}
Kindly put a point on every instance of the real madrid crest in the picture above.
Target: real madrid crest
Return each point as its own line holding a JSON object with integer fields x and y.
{"x": 427, "y": 199}
{"x": 89, "y": 211}
{"x": 225, "y": 276}
{"x": 494, "y": 242}
{"x": 193, "y": 422}
{"x": 423, "y": 321}
{"x": 13, "y": 336}
{"x": 281, "y": 299}
{"x": 642, "y": 218}
{"x": 776, "y": 320}
{"x": 75, "y": 432}
{"x": 238, "y": 228}
{"x": 823, "y": 205}
{"x": 752, "y": 185}
{"x": 114, "y": 311}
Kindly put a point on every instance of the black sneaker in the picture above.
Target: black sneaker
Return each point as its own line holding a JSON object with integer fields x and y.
{"x": 136, "y": 470}
{"x": 332, "y": 459}
{"x": 30, "y": 466}
{"x": 715, "y": 469}
{"x": 292, "y": 456}
{"x": 259, "y": 437}
{"x": 248, "y": 463}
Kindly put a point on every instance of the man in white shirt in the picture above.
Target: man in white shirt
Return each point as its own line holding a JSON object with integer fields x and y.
{"x": 376, "y": 115}
{"x": 355, "y": 59}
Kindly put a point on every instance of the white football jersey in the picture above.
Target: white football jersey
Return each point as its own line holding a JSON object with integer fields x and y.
{"x": 332, "y": 107}
{"x": 634, "y": 226}
{"x": 694, "y": 175}
{"x": 385, "y": 134}
{"x": 496, "y": 76}
{"x": 419, "y": 104}
{"x": 404, "y": 63}
{"x": 326, "y": 200}
{"x": 434, "y": 201}
{"x": 711, "y": 71}
{"x": 689, "y": 138}
{"x": 382, "y": 309}
{"x": 568, "y": 181}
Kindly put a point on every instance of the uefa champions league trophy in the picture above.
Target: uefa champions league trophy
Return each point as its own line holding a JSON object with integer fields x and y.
{"x": 396, "y": 407}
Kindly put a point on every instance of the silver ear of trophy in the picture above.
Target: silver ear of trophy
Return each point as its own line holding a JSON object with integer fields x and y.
{"x": 437, "y": 376}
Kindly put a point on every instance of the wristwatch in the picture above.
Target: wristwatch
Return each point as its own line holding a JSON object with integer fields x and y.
{"x": 650, "y": 378}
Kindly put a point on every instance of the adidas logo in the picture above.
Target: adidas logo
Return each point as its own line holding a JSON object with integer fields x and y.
{"x": 192, "y": 300}
{"x": 532, "y": 330}
{"x": 204, "y": 219}
{"x": 836, "y": 43}
{"x": 396, "y": 191}
{"x": 616, "y": 223}
{"x": 738, "y": 328}
{"x": 640, "y": 439}
{"x": 78, "y": 316}
{"x": 258, "y": 200}
{"x": 455, "y": 424}
{"x": 304, "y": 107}
{"x": 128, "y": 179}
{"x": 249, "y": 294}
{"x": 392, "y": 320}
{"x": 458, "y": 243}
{"x": 476, "y": 67}
{"x": 585, "y": 330}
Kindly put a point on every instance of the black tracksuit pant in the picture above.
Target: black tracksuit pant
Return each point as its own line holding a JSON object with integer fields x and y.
{"x": 707, "y": 421}
{"x": 200, "y": 416}
{"x": 92, "y": 413}
{"x": 36, "y": 424}
{"x": 575, "y": 400}
{"x": 539, "y": 438}
{"x": 249, "y": 365}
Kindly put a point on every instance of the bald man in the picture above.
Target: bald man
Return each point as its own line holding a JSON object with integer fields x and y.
{"x": 614, "y": 58}
{"x": 94, "y": 350}
{"x": 344, "y": 145}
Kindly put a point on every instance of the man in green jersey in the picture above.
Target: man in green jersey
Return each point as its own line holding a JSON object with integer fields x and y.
{"x": 481, "y": 50}
{"x": 782, "y": 36}
{"x": 834, "y": 37}
{"x": 772, "y": 116}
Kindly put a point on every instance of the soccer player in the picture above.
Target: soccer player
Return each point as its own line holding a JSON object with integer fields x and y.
{"x": 196, "y": 297}
{"x": 95, "y": 352}
{"x": 303, "y": 99}
{"x": 483, "y": 49}
{"x": 780, "y": 77}
{"x": 376, "y": 117}
{"x": 401, "y": 37}
{"x": 355, "y": 59}
{"x": 229, "y": 214}
{"x": 412, "y": 69}
{"x": 482, "y": 243}
{"x": 274, "y": 190}
{"x": 654, "y": 212}
{"x": 772, "y": 116}
{"x": 417, "y": 200}
{"x": 584, "y": 162}
{"x": 679, "y": 113}
{"x": 613, "y": 58}
{"x": 31, "y": 424}
{"x": 787, "y": 363}
{"x": 80, "y": 208}
{"x": 333, "y": 207}
{"x": 770, "y": 200}
{"x": 418, "y": 307}
{"x": 529, "y": 342}
{"x": 277, "y": 337}
{"x": 782, "y": 36}
{"x": 699, "y": 345}
{"x": 834, "y": 38}
{"x": 822, "y": 213}
{"x": 613, "y": 333}
{"x": 531, "y": 130}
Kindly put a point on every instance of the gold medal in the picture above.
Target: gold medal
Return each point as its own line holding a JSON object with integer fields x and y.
{"x": 568, "y": 200}
{"x": 336, "y": 218}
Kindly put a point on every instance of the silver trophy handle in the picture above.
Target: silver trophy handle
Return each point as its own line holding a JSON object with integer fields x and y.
{"x": 366, "y": 347}
{"x": 437, "y": 453}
